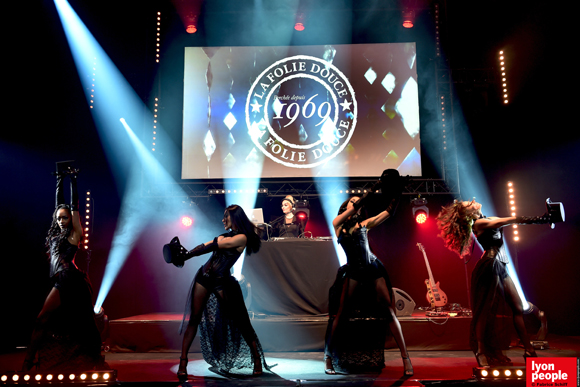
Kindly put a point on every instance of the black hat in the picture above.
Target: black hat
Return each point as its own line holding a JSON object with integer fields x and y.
{"x": 391, "y": 183}
{"x": 173, "y": 251}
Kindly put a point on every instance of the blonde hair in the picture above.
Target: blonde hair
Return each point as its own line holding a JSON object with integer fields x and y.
{"x": 455, "y": 223}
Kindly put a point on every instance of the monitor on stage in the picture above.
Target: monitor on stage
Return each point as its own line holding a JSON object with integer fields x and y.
{"x": 300, "y": 111}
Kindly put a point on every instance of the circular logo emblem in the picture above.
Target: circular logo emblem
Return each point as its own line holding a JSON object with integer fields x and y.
{"x": 301, "y": 111}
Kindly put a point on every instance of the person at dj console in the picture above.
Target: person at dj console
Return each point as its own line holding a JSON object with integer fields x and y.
{"x": 288, "y": 225}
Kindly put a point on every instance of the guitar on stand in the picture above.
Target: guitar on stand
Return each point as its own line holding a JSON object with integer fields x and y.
{"x": 436, "y": 297}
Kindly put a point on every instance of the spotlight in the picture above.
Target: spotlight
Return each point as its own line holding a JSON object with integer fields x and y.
{"x": 299, "y": 24}
{"x": 420, "y": 210}
{"x": 191, "y": 28}
{"x": 102, "y": 321}
{"x": 408, "y": 18}
{"x": 186, "y": 221}
{"x": 189, "y": 12}
{"x": 302, "y": 211}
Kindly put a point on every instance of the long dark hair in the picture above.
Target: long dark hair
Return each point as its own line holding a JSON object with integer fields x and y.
{"x": 54, "y": 231}
{"x": 360, "y": 215}
{"x": 243, "y": 225}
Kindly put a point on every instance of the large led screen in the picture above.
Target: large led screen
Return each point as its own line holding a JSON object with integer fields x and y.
{"x": 301, "y": 111}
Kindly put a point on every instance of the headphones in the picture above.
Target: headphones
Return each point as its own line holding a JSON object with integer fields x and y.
{"x": 289, "y": 200}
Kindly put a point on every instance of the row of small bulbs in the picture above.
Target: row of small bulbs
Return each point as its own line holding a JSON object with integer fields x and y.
{"x": 95, "y": 376}
{"x": 512, "y": 207}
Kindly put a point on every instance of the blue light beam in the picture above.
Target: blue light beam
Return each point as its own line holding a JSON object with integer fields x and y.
{"x": 244, "y": 194}
{"x": 132, "y": 164}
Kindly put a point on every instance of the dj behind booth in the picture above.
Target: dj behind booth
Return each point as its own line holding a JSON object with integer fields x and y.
{"x": 292, "y": 272}
{"x": 292, "y": 222}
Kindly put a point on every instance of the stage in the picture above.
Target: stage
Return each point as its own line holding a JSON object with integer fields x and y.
{"x": 303, "y": 368}
{"x": 159, "y": 332}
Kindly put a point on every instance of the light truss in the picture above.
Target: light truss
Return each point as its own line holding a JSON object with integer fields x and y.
{"x": 296, "y": 188}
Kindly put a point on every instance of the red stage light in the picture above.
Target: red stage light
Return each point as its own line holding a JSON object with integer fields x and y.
{"x": 301, "y": 215}
{"x": 186, "y": 221}
{"x": 299, "y": 27}
{"x": 420, "y": 217}
{"x": 191, "y": 29}
{"x": 408, "y": 18}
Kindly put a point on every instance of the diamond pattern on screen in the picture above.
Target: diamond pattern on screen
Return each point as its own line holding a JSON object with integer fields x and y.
{"x": 208, "y": 145}
{"x": 230, "y": 120}
{"x": 231, "y": 101}
{"x": 388, "y": 82}
{"x": 371, "y": 75}
{"x": 253, "y": 156}
{"x": 406, "y": 107}
{"x": 302, "y": 135}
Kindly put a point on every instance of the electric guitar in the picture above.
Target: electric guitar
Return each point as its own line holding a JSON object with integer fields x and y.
{"x": 435, "y": 295}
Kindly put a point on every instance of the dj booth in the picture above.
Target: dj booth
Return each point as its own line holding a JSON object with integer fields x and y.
{"x": 291, "y": 276}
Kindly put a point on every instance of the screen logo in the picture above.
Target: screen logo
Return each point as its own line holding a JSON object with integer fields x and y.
{"x": 301, "y": 111}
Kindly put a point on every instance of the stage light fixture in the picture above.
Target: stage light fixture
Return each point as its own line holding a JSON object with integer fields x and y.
{"x": 189, "y": 11}
{"x": 502, "y": 62}
{"x": 155, "y": 113}
{"x": 88, "y": 220}
{"x": 420, "y": 210}
{"x": 102, "y": 321}
{"x": 498, "y": 373}
{"x": 357, "y": 191}
{"x": 220, "y": 191}
{"x": 104, "y": 377}
{"x": 191, "y": 27}
{"x": 408, "y": 18}
{"x": 511, "y": 204}
{"x": 158, "y": 39}
{"x": 302, "y": 211}
{"x": 437, "y": 39}
{"x": 299, "y": 23}
{"x": 186, "y": 221}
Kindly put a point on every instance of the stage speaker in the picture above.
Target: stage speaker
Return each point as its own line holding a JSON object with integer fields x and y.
{"x": 404, "y": 304}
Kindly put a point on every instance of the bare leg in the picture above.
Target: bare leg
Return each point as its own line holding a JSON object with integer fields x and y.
{"x": 199, "y": 300}
{"x": 51, "y": 303}
{"x": 384, "y": 297}
{"x": 348, "y": 289}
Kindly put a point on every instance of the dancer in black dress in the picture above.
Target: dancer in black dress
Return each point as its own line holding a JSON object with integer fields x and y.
{"x": 65, "y": 335}
{"x": 351, "y": 228}
{"x": 216, "y": 302}
{"x": 493, "y": 291}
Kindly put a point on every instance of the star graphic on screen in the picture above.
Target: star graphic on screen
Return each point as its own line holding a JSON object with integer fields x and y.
{"x": 256, "y": 107}
{"x": 345, "y": 105}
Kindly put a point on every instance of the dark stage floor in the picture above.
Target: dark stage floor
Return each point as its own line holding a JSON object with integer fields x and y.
{"x": 306, "y": 368}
